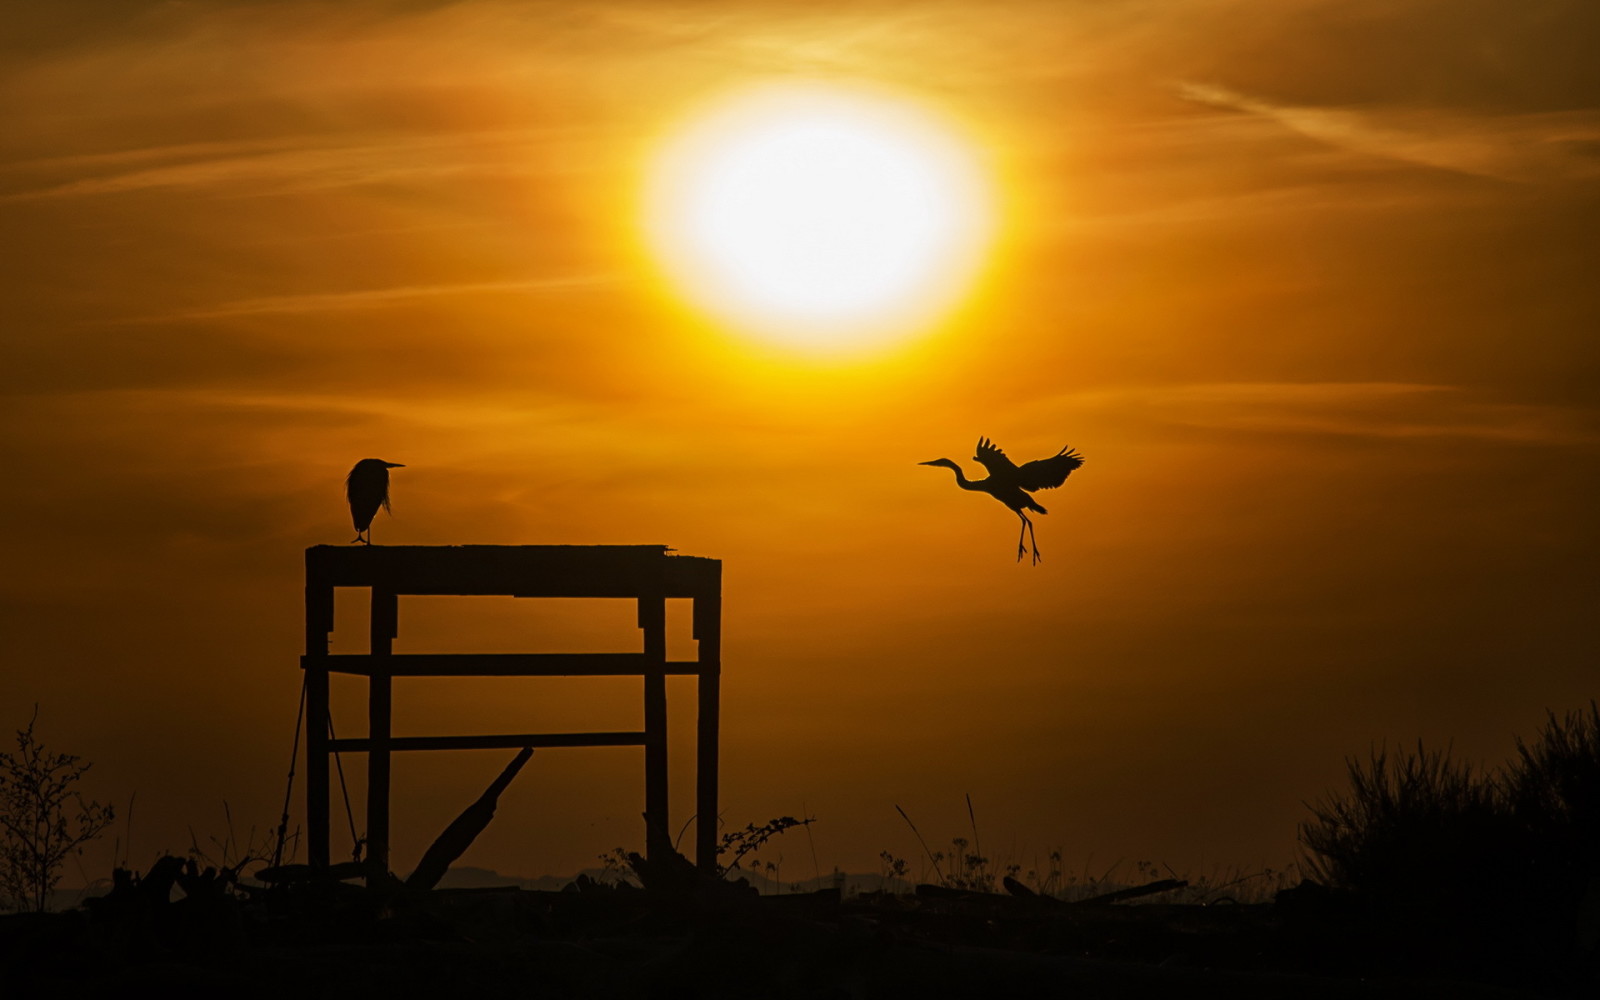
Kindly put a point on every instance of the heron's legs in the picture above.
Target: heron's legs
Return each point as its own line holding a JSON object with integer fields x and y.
{"x": 360, "y": 538}
{"x": 1032, "y": 538}
{"x": 1022, "y": 533}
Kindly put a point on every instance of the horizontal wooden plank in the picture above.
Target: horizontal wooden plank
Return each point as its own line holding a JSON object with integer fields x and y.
{"x": 515, "y": 570}
{"x": 362, "y": 744}
{"x": 496, "y": 664}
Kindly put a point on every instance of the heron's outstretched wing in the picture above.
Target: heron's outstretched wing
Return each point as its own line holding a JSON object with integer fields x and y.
{"x": 992, "y": 458}
{"x": 1048, "y": 473}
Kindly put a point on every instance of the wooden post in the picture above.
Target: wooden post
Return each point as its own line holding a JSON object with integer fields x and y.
{"x": 317, "y": 765}
{"x": 657, "y": 833}
{"x": 385, "y": 626}
{"x": 319, "y": 622}
{"x": 708, "y": 631}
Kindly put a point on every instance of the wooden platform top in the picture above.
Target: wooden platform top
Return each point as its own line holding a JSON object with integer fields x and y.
{"x": 515, "y": 570}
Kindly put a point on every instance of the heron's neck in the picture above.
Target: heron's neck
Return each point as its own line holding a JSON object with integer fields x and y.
{"x": 962, "y": 481}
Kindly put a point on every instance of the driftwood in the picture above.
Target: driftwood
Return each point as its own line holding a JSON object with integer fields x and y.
{"x": 1019, "y": 893}
{"x": 311, "y": 873}
{"x": 668, "y": 874}
{"x": 930, "y": 891}
{"x": 1134, "y": 892}
{"x": 460, "y": 834}
{"x": 668, "y": 871}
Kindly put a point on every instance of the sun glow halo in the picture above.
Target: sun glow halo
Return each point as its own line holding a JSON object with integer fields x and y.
{"x": 819, "y": 218}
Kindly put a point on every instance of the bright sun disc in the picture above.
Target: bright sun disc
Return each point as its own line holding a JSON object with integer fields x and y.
{"x": 818, "y": 217}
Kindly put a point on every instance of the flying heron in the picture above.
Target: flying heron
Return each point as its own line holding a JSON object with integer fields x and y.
{"x": 367, "y": 489}
{"x": 1010, "y": 484}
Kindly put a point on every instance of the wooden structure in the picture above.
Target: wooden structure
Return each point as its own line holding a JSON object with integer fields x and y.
{"x": 646, "y": 573}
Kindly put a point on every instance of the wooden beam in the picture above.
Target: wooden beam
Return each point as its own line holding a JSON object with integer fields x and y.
{"x": 708, "y": 630}
{"x": 657, "y": 828}
{"x": 500, "y": 664}
{"x": 319, "y": 615}
{"x": 463, "y": 830}
{"x": 385, "y": 626}
{"x": 511, "y": 742}
{"x": 319, "y": 622}
{"x": 514, "y": 570}
{"x": 317, "y": 748}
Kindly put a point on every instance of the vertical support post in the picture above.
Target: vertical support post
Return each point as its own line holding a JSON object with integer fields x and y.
{"x": 385, "y": 626}
{"x": 708, "y": 631}
{"x": 316, "y": 765}
{"x": 319, "y": 622}
{"x": 653, "y": 619}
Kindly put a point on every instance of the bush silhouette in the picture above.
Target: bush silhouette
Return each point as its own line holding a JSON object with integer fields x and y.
{"x": 1409, "y": 828}
{"x": 1494, "y": 872}
{"x": 43, "y": 818}
{"x": 1553, "y": 789}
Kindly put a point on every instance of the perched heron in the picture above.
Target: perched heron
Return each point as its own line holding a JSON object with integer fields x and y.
{"x": 1010, "y": 484}
{"x": 367, "y": 489}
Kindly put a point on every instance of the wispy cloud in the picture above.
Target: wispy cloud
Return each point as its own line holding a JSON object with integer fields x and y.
{"x": 370, "y": 298}
{"x": 1514, "y": 147}
{"x": 1352, "y": 409}
{"x": 300, "y": 164}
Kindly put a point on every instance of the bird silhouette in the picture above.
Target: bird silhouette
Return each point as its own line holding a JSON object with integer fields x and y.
{"x": 367, "y": 489}
{"x": 1010, "y": 484}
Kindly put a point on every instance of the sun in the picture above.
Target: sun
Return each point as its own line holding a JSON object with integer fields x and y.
{"x": 819, "y": 217}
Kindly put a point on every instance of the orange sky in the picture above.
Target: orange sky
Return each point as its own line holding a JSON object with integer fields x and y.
{"x": 1310, "y": 283}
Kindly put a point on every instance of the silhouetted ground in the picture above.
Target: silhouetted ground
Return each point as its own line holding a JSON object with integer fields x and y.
{"x": 339, "y": 941}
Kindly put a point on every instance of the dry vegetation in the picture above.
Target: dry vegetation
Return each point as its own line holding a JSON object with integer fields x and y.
{"x": 1426, "y": 878}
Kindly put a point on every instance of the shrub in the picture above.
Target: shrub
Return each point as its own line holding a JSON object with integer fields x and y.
{"x": 1413, "y": 828}
{"x": 43, "y": 818}
{"x": 1493, "y": 872}
{"x": 1553, "y": 786}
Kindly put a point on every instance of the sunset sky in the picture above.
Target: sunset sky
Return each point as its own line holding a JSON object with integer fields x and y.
{"x": 1314, "y": 285}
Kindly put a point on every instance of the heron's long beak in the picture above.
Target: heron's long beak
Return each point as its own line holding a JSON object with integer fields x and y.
{"x": 394, "y": 465}
{"x": 934, "y": 462}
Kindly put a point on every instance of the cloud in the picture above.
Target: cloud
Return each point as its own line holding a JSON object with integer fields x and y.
{"x": 376, "y": 297}
{"x": 1528, "y": 147}
{"x": 300, "y": 164}
{"x": 1353, "y": 409}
